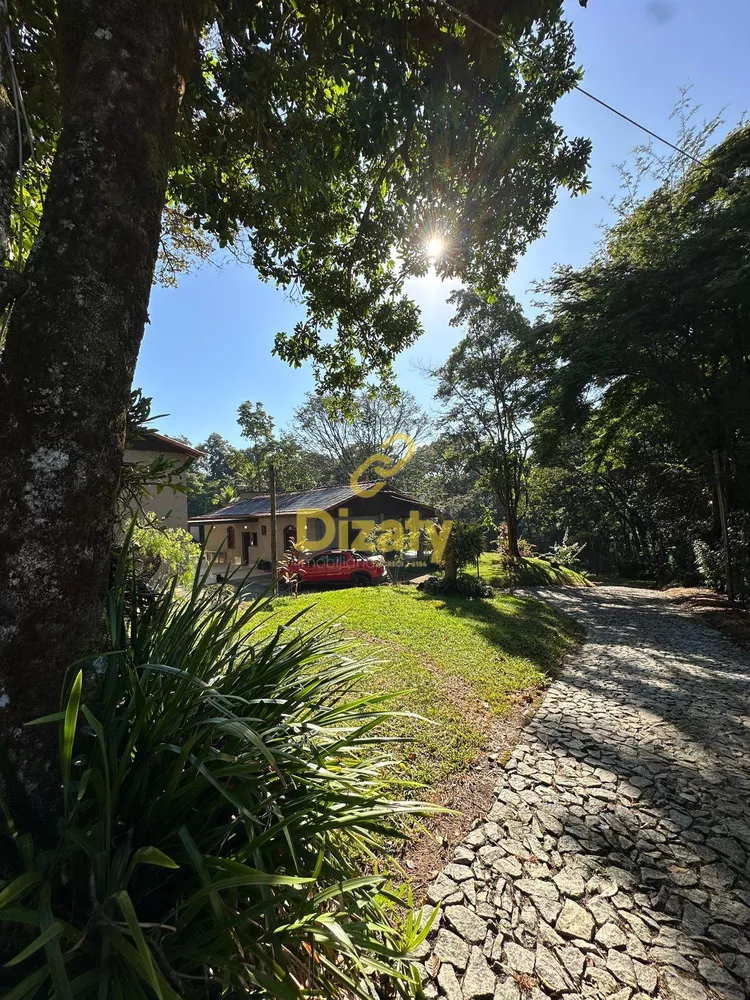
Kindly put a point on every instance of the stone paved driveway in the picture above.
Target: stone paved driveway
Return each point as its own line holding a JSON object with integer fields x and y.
{"x": 615, "y": 860}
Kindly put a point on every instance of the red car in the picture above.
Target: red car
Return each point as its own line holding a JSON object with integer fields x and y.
{"x": 339, "y": 566}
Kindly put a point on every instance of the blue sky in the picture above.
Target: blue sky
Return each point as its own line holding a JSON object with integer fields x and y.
{"x": 208, "y": 345}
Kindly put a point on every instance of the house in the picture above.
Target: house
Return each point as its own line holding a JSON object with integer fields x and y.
{"x": 240, "y": 532}
{"x": 169, "y": 505}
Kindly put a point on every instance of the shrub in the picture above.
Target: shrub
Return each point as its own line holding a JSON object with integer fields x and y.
{"x": 710, "y": 558}
{"x": 162, "y": 552}
{"x": 468, "y": 542}
{"x": 565, "y": 553}
{"x": 218, "y": 793}
{"x": 463, "y": 586}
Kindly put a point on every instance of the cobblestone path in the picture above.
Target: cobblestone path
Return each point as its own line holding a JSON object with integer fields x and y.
{"x": 615, "y": 860}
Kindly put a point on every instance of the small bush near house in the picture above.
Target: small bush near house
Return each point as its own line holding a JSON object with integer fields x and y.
{"x": 463, "y": 547}
{"x": 162, "y": 553}
{"x": 218, "y": 791}
{"x": 463, "y": 586}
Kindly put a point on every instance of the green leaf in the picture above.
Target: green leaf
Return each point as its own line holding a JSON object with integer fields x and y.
{"x": 107, "y": 805}
{"x": 29, "y": 986}
{"x": 136, "y": 964}
{"x": 347, "y": 886}
{"x": 69, "y": 730}
{"x": 55, "y": 717}
{"x": 19, "y": 915}
{"x": 152, "y": 856}
{"x": 238, "y": 881}
{"x": 128, "y": 911}
{"x": 200, "y": 866}
{"x": 19, "y": 887}
{"x": 85, "y": 982}
{"x": 54, "y": 930}
{"x": 55, "y": 960}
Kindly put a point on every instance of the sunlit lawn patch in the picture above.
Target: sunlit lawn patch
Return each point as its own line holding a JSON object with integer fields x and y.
{"x": 459, "y": 663}
{"x": 533, "y": 572}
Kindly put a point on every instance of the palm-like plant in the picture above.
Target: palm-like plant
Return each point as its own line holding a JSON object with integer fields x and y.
{"x": 219, "y": 791}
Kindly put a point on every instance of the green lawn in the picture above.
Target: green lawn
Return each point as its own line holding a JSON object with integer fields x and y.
{"x": 533, "y": 572}
{"x": 459, "y": 663}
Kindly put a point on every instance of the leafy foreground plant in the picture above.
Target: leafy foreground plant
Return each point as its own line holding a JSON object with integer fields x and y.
{"x": 217, "y": 791}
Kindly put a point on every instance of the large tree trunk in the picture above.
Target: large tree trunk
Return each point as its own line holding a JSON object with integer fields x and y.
{"x": 450, "y": 568}
{"x": 511, "y": 519}
{"x": 72, "y": 347}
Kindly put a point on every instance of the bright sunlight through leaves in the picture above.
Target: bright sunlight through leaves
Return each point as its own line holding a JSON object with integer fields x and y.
{"x": 435, "y": 246}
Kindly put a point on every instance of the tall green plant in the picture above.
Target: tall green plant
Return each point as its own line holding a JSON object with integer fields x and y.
{"x": 465, "y": 546}
{"x": 218, "y": 793}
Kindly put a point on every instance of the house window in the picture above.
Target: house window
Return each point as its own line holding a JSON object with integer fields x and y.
{"x": 263, "y": 529}
{"x": 230, "y": 537}
{"x": 253, "y": 537}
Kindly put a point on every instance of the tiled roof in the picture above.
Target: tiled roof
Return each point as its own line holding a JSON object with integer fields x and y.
{"x": 259, "y": 505}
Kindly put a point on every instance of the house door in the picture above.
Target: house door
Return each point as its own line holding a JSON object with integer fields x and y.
{"x": 290, "y": 536}
{"x": 245, "y": 547}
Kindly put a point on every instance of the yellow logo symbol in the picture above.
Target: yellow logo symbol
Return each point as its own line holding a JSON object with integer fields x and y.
{"x": 383, "y": 465}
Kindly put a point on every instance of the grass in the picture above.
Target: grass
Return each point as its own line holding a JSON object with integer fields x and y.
{"x": 461, "y": 664}
{"x": 532, "y": 572}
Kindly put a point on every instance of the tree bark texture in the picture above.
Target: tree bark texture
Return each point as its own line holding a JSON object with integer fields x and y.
{"x": 511, "y": 519}
{"x": 72, "y": 346}
{"x": 450, "y": 569}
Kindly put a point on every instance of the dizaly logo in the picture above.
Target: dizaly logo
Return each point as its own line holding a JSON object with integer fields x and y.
{"x": 376, "y": 536}
{"x": 382, "y": 465}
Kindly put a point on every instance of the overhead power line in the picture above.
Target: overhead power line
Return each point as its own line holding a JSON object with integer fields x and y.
{"x": 592, "y": 97}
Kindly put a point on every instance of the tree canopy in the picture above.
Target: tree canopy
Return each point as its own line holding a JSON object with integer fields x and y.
{"x": 348, "y": 440}
{"x": 486, "y": 386}
{"x": 647, "y": 353}
{"x": 325, "y": 143}
{"x": 659, "y": 319}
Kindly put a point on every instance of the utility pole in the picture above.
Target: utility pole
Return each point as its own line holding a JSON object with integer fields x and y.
{"x": 724, "y": 525}
{"x": 274, "y": 553}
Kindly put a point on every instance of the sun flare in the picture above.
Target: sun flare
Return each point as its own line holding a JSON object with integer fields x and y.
{"x": 435, "y": 246}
